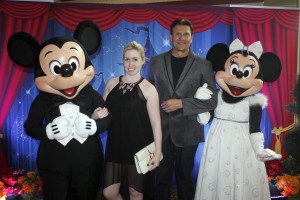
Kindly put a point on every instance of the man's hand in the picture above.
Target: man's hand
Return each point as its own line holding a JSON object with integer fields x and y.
{"x": 171, "y": 105}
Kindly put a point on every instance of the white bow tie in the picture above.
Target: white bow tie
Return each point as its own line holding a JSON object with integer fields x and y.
{"x": 255, "y": 47}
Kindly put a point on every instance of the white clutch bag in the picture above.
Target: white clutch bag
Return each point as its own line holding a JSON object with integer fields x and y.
{"x": 142, "y": 158}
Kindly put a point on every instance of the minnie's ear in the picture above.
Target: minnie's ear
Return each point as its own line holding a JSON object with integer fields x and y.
{"x": 270, "y": 66}
{"x": 89, "y": 35}
{"x": 218, "y": 55}
{"x": 22, "y": 49}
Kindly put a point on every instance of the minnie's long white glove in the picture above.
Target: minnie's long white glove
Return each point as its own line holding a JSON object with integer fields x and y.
{"x": 203, "y": 93}
{"x": 262, "y": 154}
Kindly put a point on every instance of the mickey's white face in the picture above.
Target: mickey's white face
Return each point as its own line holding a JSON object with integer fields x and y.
{"x": 240, "y": 76}
{"x": 65, "y": 70}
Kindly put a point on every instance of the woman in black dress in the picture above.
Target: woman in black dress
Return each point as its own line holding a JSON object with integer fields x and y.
{"x": 133, "y": 105}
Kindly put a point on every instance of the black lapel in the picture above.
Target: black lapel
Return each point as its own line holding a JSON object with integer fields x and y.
{"x": 186, "y": 69}
{"x": 167, "y": 58}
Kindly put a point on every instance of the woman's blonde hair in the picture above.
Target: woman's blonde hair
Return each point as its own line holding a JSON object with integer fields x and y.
{"x": 135, "y": 46}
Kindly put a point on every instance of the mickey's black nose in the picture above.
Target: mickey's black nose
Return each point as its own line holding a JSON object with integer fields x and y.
{"x": 66, "y": 70}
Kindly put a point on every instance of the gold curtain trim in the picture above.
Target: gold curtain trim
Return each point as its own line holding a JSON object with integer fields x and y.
{"x": 277, "y": 132}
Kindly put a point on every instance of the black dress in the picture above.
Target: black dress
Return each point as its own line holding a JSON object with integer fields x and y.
{"x": 130, "y": 131}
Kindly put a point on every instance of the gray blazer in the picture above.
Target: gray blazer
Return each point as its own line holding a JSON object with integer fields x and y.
{"x": 182, "y": 124}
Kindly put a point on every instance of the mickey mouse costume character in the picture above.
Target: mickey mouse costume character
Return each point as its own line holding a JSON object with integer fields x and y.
{"x": 70, "y": 155}
{"x": 232, "y": 164}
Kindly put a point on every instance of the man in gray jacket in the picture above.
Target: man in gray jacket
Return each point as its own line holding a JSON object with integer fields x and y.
{"x": 177, "y": 75}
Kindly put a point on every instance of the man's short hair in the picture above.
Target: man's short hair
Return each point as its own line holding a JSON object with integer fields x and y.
{"x": 181, "y": 22}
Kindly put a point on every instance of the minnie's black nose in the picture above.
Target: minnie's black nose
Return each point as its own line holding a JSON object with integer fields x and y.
{"x": 239, "y": 74}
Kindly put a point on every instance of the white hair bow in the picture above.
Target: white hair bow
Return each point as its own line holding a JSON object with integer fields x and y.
{"x": 255, "y": 47}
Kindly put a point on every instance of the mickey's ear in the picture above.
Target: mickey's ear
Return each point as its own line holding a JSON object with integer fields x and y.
{"x": 22, "y": 49}
{"x": 271, "y": 66}
{"x": 89, "y": 35}
{"x": 218, "y": 55}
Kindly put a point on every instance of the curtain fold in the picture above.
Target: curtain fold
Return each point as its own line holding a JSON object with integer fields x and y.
{"x": 277, "y": 30}
{"x": 288, "y": 19}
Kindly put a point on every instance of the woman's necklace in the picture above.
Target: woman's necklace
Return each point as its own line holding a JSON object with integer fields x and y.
{"x": 127, "y": 86}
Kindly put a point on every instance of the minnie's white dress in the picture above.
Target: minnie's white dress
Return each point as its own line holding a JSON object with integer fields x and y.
{"x": 229, "y": 169}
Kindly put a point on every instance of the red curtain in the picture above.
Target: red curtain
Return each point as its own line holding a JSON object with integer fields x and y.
{"x": 31, "y": 18}
{"x": 277, "y": 30}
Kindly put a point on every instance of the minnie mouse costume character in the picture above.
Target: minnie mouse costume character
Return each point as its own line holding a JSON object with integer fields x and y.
{"x": 70, "y": 155}
{"x": 232, "y": 164}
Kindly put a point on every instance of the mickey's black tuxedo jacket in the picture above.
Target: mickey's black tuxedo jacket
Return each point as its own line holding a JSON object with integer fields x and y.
{"x": 54, "y": 156}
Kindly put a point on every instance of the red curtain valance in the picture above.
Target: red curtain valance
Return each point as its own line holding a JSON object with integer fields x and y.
{"x": 202, "y": 19}
{"x": 286, "y": 18}
{"x": 23, "y": 10}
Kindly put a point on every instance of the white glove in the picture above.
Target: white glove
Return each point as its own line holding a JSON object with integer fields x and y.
{"x": 85, "y": 126}
{"x": 59, "y": 129}
{"x": 203, "y": 93}
{"x": 203, "y": 118}
{"x": 262, "y": 154}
